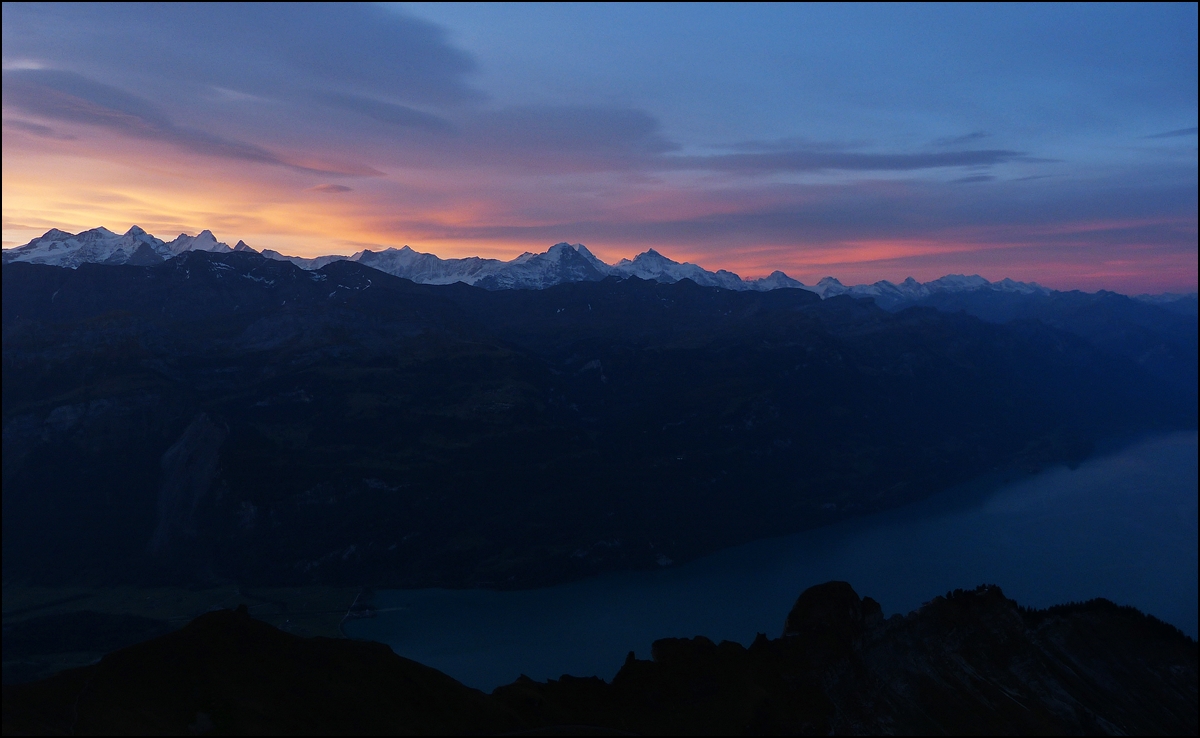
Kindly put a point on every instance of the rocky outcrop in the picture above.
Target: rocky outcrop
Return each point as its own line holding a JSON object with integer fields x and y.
{"x": 972, "y": 662}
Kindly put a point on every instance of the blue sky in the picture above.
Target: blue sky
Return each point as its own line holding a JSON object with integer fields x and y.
{"x": 1040, "y": 142}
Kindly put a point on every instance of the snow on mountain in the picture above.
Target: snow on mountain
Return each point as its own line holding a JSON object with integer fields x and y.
{"x": 776, "y": 280}
{"x": 957, "y": 283}
{"x": 302, "y": 262}
{"x": 97, "y": 246}
{"x": 885, "y": 294}
{"x": 1025, "y": 288}
{"x": 912, "y": 289}
{"x": 205, "y": 241}
{"x": 963, "y": 283}
{"x": 407, "y": 263}
{"x": 654, "y": 266}
{"x": 882, "y": 291}
{"x": 428, "y": 268}
{"x": 889, "y": 294}
{"x": 592, "y": 258}
{"x": 562, "y": 263}
{"x": 828, "y": 287}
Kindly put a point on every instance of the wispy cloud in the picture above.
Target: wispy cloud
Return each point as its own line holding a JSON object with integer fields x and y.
{"x": 1175, "y": 134}
{"x": 37, "y": 129}
{"x": 964, "y": 140}
{"x": 814, "y": 161}
{"x": 385, "y": 112}
{"x": 973, "y": 179}
{"x": 330, "y": 188}
{"x": 792, "y": 143}
{"x": 72, "y": 98}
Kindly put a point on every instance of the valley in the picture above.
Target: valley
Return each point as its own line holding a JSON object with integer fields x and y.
{"x": 231, "y": 417}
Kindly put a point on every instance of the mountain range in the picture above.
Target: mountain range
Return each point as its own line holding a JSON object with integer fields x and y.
{"x": 562, "y": 263}
{"x": 226, "y": 416}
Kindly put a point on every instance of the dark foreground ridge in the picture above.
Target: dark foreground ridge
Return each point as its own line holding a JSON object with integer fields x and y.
{"x": 972, "y": 662}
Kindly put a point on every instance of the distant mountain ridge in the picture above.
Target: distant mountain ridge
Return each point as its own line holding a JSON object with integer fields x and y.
{"x": 102, "y": 246}
{"x": 561, "y": 263}
{"x": 1156, "y": 331}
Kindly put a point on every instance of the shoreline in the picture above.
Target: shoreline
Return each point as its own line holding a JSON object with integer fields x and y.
{"x": 970, "y": 535}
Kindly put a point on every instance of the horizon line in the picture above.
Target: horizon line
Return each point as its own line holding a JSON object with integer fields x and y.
{"x": 379, "y": 248}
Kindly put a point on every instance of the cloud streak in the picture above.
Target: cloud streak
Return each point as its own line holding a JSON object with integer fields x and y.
{"x": 815, "y": 161}
{"x": 386, "y": 112}
{"x": 1179, "y": 132}
{"x": 72, "y": 98}
{"x": 37, "y": 129}
{"x": 964, "y": 140}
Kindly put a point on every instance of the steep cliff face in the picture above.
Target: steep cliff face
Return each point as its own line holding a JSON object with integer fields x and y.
{"x": 969, "y": 663}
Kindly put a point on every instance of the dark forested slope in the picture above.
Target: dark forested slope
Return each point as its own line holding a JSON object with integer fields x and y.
{"x": 232, "y": 417}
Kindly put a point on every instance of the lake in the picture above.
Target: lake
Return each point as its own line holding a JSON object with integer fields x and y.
{"x": 1121, "y": 526}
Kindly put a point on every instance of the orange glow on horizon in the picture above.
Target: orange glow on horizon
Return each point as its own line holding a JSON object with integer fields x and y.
{"x": 122, "y": 183}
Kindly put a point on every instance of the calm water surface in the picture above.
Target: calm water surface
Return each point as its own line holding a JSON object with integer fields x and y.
{"x": 1122, "y": 527}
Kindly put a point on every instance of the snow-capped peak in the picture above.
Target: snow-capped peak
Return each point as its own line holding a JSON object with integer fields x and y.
{"x": 96, "y": 234}
{"x": 204, "y": 241}
{"x": 774, "y": 281}
{"x": 95, "y": 246}
{"x": 958, "y": 283}
{"x": 649, "y": 256}
{"x": 654, "y": 266}
{"x": 1025, "y": 288}
{"x": 53, "y": 235}
{"x": 562, "y": 262}
{"x": 828, "y": 287}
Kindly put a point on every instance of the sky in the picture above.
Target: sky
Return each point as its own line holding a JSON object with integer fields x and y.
{"x": 1048, "y": 143}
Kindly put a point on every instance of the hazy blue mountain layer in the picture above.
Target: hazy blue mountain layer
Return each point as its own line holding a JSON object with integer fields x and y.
{"x": 1160, "y": 339}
